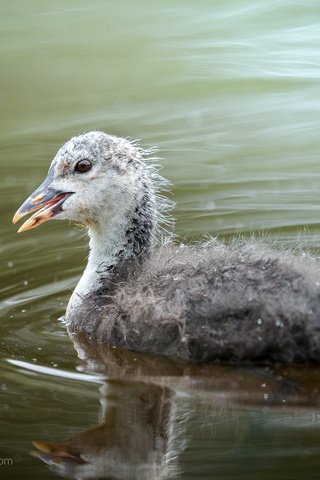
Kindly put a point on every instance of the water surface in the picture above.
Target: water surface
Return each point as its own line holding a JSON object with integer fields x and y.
{"x": 229, "y": 92}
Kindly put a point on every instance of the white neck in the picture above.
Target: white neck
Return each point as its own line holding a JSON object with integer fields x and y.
{"x": 113, "y": 243}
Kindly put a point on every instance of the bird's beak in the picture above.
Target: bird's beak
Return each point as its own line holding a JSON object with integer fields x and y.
{"x": 45, "y": 199}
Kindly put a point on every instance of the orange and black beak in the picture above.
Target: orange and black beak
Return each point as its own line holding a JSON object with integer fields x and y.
{"x": 45, "y": 201}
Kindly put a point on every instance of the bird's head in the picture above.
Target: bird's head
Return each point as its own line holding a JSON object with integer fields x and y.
{"x": 92, "y": 175}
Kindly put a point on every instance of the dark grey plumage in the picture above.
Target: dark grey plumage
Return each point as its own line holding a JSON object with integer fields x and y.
{"x": 238, "y": 303}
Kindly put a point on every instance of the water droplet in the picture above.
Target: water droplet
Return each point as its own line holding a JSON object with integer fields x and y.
{"x": 266, "y": 396}
{"x": 259, "y": 321}
{"x": 263, "y": 385}
{"x": 211, "y": 205}
{"x": 10, "y": 264}
{"x": 25, "y": 282}
{"x": 23, "y": 311}
{"x": 279, "y": 323}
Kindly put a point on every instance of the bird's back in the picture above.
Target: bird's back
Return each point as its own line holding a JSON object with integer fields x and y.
{"x": 242, "y": 302}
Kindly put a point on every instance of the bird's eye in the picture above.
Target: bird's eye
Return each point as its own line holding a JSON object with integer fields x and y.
{"x": 83, "y": 166}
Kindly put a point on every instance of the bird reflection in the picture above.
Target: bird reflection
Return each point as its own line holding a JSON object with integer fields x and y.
{"x": 140, "y": 430}
{"x": 132, "y": 438}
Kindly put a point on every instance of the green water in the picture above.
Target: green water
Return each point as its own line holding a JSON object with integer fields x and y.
{"x": 229, "y": 92}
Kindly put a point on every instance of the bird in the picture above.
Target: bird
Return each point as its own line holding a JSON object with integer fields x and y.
{"x": 145, "y": 290}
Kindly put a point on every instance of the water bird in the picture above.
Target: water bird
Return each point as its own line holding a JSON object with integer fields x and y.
{"x": 242, "y": 302}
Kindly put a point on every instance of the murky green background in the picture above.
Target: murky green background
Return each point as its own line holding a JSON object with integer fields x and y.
{"x": 229, "y": 92}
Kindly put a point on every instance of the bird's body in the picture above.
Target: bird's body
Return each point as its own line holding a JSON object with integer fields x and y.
{"x": 238, "y": 303}
{"x": 242, "y": 302}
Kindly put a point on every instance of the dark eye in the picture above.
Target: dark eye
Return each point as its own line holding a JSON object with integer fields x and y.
{"x": 83, "y": 166}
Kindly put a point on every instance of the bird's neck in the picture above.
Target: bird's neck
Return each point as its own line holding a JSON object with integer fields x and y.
{"x": 118, "y": 245}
